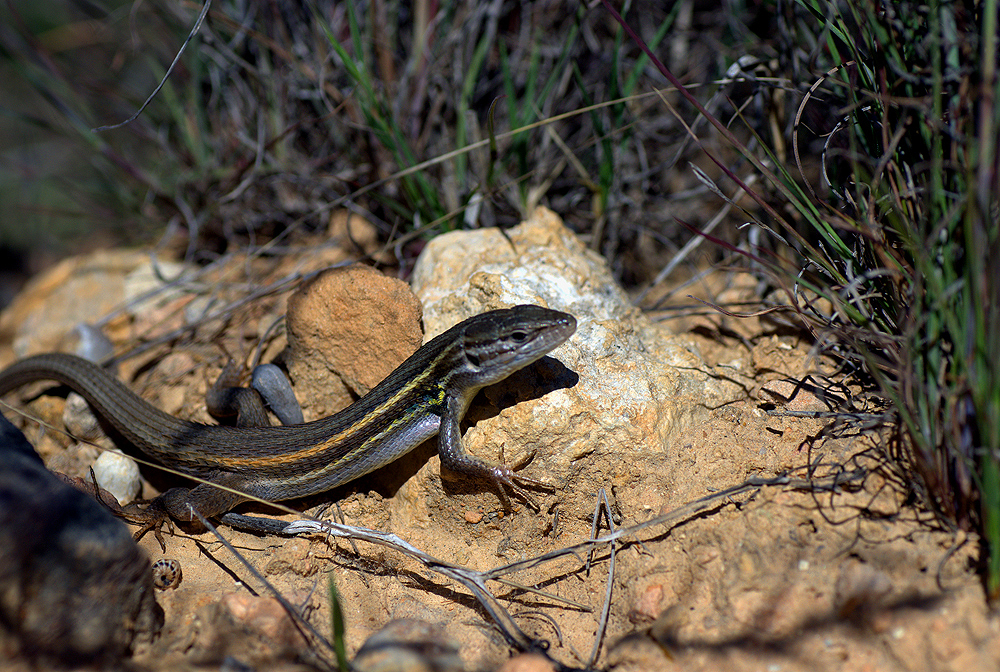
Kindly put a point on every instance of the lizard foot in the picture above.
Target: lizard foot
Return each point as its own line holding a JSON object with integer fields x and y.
{"x": 151, "y": 515}
{"x": 502, "y": 475}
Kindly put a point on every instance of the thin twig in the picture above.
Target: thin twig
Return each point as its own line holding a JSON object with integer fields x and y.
{"x": 475, "y": 580}
{"x": 602, "y": 504}
{"x": 197, "y": 26}
{"x": 471, "y": 579}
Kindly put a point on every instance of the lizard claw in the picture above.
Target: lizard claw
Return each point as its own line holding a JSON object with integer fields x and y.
{"x": 505, "y": 476}
{"x": 152, "y": 517}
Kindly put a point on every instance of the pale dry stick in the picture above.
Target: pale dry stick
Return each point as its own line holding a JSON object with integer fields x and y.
{"x": 473, "y": 580}
{"x": 686, "y": 511}
{"x": 339, "y": 517}
{"x": 695, "y": 241}
{"x": 541, "y": 593}
{"x": 602, "y": 625}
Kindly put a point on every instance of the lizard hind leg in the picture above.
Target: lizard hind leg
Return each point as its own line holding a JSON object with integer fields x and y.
{"x": 180, "y": 504}
{"x": 222, "y": 491}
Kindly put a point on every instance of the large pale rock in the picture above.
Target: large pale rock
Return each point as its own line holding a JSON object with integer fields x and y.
{"x": 73, "y": 291}
{"x": 639, "y": 390}
{"x": 85, "y": 289}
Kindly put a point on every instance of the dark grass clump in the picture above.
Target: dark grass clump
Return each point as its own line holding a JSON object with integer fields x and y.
{"x": 422, "y": 116}
{"x": 896, "y": 229}
{"x": 912, "y": 168}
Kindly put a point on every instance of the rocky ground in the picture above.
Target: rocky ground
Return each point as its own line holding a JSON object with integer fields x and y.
{"x": 809, "y": 574}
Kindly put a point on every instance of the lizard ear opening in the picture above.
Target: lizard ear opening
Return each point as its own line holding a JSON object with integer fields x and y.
{"x": 473, "y": 359}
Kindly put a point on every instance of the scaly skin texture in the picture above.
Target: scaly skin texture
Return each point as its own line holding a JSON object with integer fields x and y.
{"x": 427, "y": 394}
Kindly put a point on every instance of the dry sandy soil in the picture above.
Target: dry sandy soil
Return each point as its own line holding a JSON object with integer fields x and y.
{"x": 775, "y": 577}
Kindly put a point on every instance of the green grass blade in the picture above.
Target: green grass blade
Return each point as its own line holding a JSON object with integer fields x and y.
{"x": 337, "y": 626}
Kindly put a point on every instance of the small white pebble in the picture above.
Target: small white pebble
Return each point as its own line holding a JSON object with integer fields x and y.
{"x": 803, "y": 565}
{"x": 898, "y": 632}
{"x": 119, "y": 475}
{"x": 79, "y": 420}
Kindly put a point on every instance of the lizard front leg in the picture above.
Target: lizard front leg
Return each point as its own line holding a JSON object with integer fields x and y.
{"x": 454, "y": 457}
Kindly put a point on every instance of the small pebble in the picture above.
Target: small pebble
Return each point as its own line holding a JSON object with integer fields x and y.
{"x": 79, "y": 420}
{"x": 473, "y": 517}
{"x": 119, "y": 475}
{"x": 93, "y": 345}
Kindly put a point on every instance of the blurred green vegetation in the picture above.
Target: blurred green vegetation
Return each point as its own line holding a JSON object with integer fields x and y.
{"x": 275, "y": 114}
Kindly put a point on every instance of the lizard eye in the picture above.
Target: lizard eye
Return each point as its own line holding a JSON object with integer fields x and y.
{"x": 519, "y": 336}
